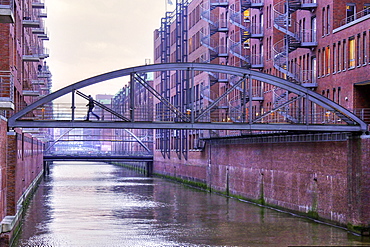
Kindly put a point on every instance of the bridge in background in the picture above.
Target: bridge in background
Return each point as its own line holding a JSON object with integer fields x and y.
{"x": 93, "y": 145}
{"x": 313, "y": 112}
{"x": 104, "y": 157}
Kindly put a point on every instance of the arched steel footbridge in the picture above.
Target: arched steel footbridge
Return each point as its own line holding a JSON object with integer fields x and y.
{"x": 293, "y": 107}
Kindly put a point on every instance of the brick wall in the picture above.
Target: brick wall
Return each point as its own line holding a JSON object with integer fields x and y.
{"x": 3, "y": 140}
{"x": 313, "y": 178}
{"x": 24, "y": 163}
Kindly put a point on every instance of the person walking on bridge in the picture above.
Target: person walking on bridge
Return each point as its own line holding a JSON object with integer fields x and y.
{"x": 91, "y": 106}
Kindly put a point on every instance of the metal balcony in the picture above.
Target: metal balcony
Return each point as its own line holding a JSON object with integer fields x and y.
{"x": 38, "y": 4}
{"x": 44, "y": 75}
{"x": 40, "y": 30}
{"x": 254, "y": 4}
{"x": 257, "y": 61}
{"x": 31, "y": 93}
{"x": 308, "y": 78}
{"x": 218, "y": 3}
{"x": 38, "y": 82}
{"x": 6, "y": 91}
{"x": 43, "y": 36}
{"x": 6, "y": 11}
{"x": 43, "y": 15}
{"x": 256, "y": 31}
{"x": 30, "y": 22}
{"x": 308, "y": 4}
{"x": 35, "y": 54}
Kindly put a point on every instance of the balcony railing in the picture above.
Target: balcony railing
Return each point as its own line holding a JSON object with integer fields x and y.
{"x": 6, "y": 11}
{"x": 6, "y": 91}
{"x": 38, "y": 4}
{"x": 34, "y": 54}
{"x": 257, "y": 61}
{"x": 358, "y": 15}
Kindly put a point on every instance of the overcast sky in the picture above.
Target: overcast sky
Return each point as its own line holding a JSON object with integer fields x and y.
{"x": 91, "y": 37}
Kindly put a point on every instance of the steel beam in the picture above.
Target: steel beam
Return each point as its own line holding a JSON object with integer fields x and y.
{"x": 188, "y": 126}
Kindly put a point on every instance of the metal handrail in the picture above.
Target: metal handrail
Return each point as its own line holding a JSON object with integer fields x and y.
{"x": 356, "y": 16}
{"x": 6, "y": 86}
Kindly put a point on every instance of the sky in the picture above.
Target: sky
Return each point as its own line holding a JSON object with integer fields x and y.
{"x": 91, "y": 37}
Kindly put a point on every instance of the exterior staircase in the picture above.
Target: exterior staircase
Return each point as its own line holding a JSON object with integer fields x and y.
{"x": 294, "y": 37}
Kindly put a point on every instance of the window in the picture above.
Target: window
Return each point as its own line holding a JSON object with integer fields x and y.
{"x": 328, "y": 19}
{"x": 344, "y": 55}
{"x": 323, "y": 21}
{"x": 247, "y": 16}
{"x": 366, "y": 8}
{"x": 352, "y": 52}
{"x": 247, "y": 44}
{"x": 319, "y": 63}
{"x": 327, "y": 60}
{"x": 350, "y": 12}
{"x": 365, "y": 51}
{"x": 338, "y": 97}
{"x": 358, "y": 49}
{"x": 313, "y": 28}
{"x": 261, "y": 20}
{"x": 334, "y": 94}
{"x": 335, "y": 58}
{"x": 314, "y": 70}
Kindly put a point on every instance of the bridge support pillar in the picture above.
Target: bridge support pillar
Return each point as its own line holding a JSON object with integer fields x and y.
{"x": 359, "y": 184}
{"x": 46, "y": 168}
{"x": 149, "y": 168}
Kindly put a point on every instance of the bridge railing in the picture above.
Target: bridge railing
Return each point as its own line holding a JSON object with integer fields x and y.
{"x": 316, "y": 115}
{"x": 363, "y": 113}
{"x": 94, "y": 153}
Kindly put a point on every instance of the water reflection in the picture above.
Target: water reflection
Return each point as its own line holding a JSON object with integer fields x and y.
{"x": 97, "y": 204}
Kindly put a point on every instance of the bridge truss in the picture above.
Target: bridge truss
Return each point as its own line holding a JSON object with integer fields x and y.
{"x": 231, "y": 99}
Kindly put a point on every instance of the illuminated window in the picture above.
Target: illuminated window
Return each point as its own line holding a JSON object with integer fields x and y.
{"x": 314, "y": 69}
{"x": 352, "y": 52}
{"x": 327, "y": 60}
{"x": 247, "y": 16}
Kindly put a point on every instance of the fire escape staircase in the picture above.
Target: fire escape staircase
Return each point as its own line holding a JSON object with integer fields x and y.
{"x": 215, "y": 26}
{"x": 246, "y": 31}
{"x": 294, "y": 38}
{"x": 236, "y": 18}
{"x": 251, "y": 4}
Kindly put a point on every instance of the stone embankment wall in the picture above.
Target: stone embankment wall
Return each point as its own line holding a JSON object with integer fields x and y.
{"x": 21, "y": 166}
{"x": 327, "y": 180}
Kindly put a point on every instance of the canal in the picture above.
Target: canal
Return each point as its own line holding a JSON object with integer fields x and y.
{"x": 99, "y": 204}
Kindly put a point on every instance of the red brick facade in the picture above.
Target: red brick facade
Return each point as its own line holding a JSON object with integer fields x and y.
{"x": 323, "y": 46}
{"x": 326, "y": 180}
{"x": 3, "y": 155}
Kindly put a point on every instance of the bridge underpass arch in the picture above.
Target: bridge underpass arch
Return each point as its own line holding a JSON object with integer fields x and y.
{"x": 311, "y": 110}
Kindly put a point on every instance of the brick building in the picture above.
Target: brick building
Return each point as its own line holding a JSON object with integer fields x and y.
{"x": 323, "y": 46}
{"x": 319, "y": 45}
{"x": 125, "y": 141}
{"x": 24, "y": 78}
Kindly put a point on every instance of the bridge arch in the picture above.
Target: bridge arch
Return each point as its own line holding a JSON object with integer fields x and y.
{"x": 353, "y": 123}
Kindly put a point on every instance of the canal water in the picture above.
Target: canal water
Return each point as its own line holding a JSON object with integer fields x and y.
{"x": 99, "y": 204}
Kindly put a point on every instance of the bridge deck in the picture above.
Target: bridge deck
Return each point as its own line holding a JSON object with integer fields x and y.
{"x": 127, "y": 158}
{"x": 182, "y": 125}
